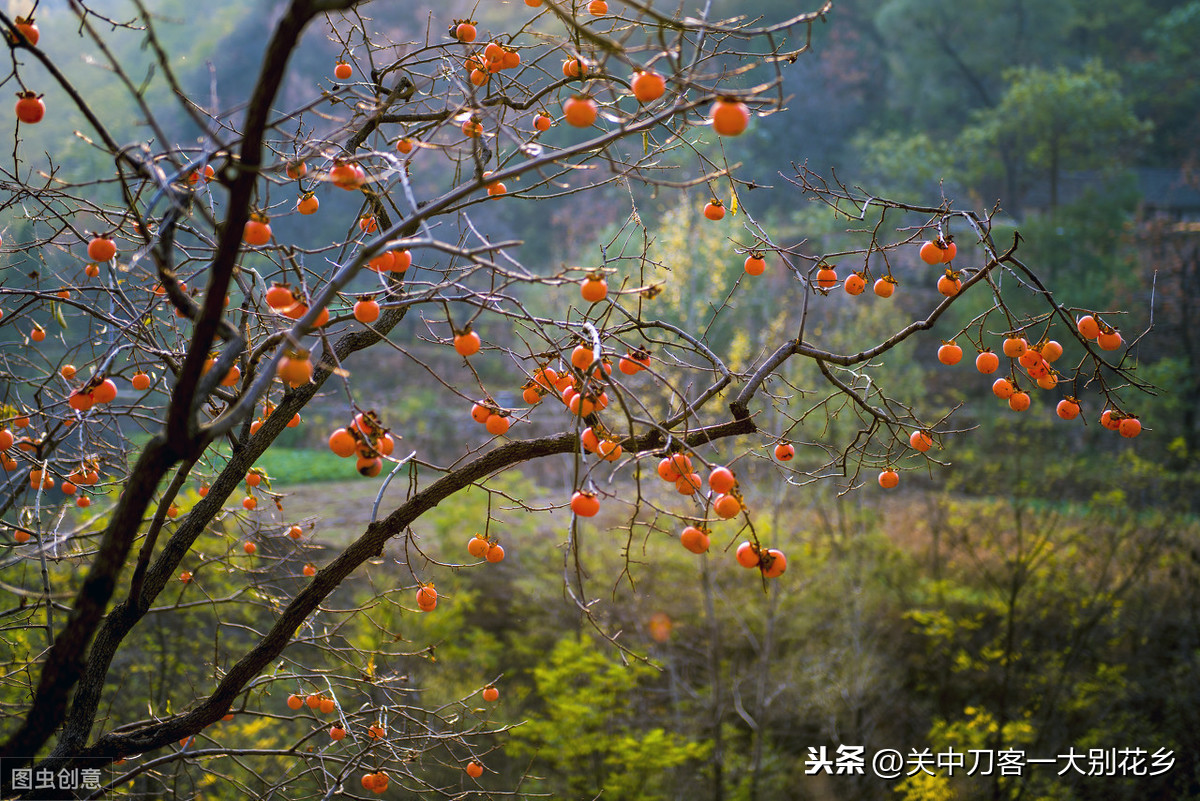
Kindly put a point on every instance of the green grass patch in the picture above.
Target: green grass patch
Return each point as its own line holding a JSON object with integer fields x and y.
{"x": 289, "y": 466}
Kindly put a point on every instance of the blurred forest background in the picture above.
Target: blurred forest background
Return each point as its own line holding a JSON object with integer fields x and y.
{"x": 1040, "y": 591}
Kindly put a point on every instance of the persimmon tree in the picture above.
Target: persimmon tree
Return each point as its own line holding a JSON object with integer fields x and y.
{"x": 174, "y": 314}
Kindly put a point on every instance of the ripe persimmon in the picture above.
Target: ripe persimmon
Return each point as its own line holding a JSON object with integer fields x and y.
{"x": 933, "y": 251}
{"x": 1109, "y": 339}
{"x": 648, "y": 86}
{"x": 342, "y": 71}
{"x": 747, "y": 555}
{"x": 721, "y": 480}
{"x": 889, "y": 479}
{"x": 80, "y": 401}
{"x": 727, "y": 506}
{"x": 1019, "y": 401}
{"x": 610, "y": 450}
{"x": 1110, "y": 419}
{"x": 785, "y": 451}
{"x": 688, "y": 483}
{"x": 295, "y": 369}
{"x": 949, "y": 353}
{"x": 497, "y": 424}
{"x": 27, "y": 29}
{"x": 542, "y": 123}
{"x": 729, "y": 116}
{"x": 101, "y": 249}
{"x": 667, "y": 471}
{"x": 467, "y": 343}
{"x": 1051, "y": 350}
{"x": 885, "y": 287}
{"x": 1014, "y": 346}
{"x": 463, "y": 31}
{"x": 574, "y": 68}
{"x": 347, "y": 176}
{"x": 202, "y": 176}
{"x": 279, "y": 297}
{"x": 772, "y": 563}
{"x": 366, "y": 310}
{"x": 369, "y": 467}
{"x": 585, "y": 504}
{"x": 579, "y": 404}
{"x": 598, "y": 8}
{"x": 594, "y": 288}
{"x": 682, "y": 463}
{"x": 491, "y": 694}
{"x": 495, "y": 553}
{"x": 1047, "y": 381}
{"x": 30, "y": 108}
{"x": 949, "y": 284}
{"x": 714, "y": 210}
{"x": 474, "y": 770}
{"x": 257, "y": 231}
{"x": 342, "y": 442}
{"x": 580, "y": 111}
{"x": 1089, "y": 327}
{"x": 477, "y": 546}
{"x": 382, "y": 263}
{"x": 582, "y": 356}
{"x": 755, "y": 264}
{"x": 480, "y": 413}
{"x": 1067, "y": 409}
{"x": 1129, "y": 427}
{"x": 427, "y": 598}
{"x": 920, "y": 441}
{"x": 827, "y": 277}
{"x": 694, "y": 539}
{"x": 854, "y": 284}
{"x": 633, "y": 362}
{"x": 401, "y": 259}
{"x": 987, "y": 362}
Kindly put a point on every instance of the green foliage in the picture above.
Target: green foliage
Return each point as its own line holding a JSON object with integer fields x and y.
{"x": 900, "y": 163}
{"x": 291, "y": 466}
{"x": 1163, "y": 82}
{"x": 947, "y": 55}
{"x": 1052, "y": 120}
{"x": 588, "y": 731}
